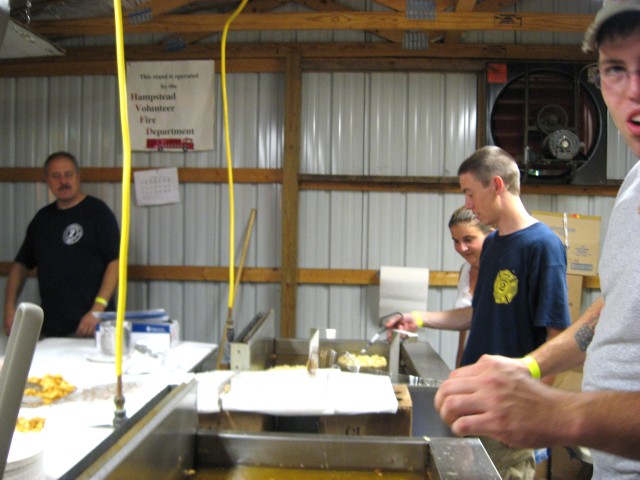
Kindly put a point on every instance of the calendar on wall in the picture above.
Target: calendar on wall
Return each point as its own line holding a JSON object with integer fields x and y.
{"x": 156, "y": 187}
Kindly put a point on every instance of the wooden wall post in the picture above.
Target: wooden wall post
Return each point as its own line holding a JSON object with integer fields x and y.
{"x": 290, "y": 193}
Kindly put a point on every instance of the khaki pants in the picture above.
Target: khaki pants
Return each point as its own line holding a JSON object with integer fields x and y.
{"x": 511, "y": 463}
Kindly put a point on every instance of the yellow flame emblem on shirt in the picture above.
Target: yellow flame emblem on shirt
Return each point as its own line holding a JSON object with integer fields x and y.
{"x": 505, "y": 287}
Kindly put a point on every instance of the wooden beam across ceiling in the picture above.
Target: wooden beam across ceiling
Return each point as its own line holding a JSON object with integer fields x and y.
{"x": 452, "y": 36}
{"x": 331, "y": 6}
{"x": 159, "y": 7}
{"x": 461, "y": 6}
{"x": 210, "y": 23}
{"x": 252, "y": 57}
{"x": 256, "y": 6}
{"x": 397, "y": 5}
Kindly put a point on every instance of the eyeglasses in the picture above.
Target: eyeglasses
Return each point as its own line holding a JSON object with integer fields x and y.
{"x": 613, "y": 77}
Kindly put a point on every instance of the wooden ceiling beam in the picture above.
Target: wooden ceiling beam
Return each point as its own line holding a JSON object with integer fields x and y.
{"x": 253, "y": 57}
{"x": 327, "y": 50}
{"x": 210, "y": 23}
{"x": 394, "y": 36}
{"x": 179, "y": 40}
{"x": 159, "y": 7}
{"x": 323, "y": 5}
{"x": 461, "y": 6}
{"x": 329, "y": 6}
{"x": 397, "y": 5}
{"x": 493, "y": 5}
{"x": 444, "y": 5}
{"x": 465, "y": 5}
{"x": 256, "y": 6}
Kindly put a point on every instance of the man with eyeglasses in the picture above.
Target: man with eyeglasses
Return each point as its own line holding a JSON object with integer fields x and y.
{"x": 499, "y": 396}
{"x": 74, "y": 244}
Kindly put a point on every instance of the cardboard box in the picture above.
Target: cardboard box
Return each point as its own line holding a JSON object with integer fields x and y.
{"x": 566, "y": 466}
{"x": 569, "y": 381}
{"x": 393, "y": 424}
{"x": 568, "y": 463}
{"x": 581, "y": 236}
{"x": 158, "y": 336}
{"x": 237, "y": 421}
{"x": 574, "y": 286}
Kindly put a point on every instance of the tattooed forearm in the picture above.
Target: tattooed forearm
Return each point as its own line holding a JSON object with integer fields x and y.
{"x": 585, "y": 334}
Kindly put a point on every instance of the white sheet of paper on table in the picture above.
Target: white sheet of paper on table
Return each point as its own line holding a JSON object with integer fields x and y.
{"x": 295, "y": 392}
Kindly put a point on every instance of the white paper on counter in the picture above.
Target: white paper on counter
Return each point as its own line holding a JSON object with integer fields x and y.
{"x": 210, "y": 386}
{"x": 295, "y": 392}
{"x": 403, "y": 289}
{"x": 363, "y": 393}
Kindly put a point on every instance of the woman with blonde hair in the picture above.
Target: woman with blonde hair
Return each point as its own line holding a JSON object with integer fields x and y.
{"x": 468, "y": 234}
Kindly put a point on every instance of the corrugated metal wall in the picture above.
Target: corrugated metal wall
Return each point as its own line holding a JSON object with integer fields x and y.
{"x": 379, "y": 124}
{"x": 352, "y": 123}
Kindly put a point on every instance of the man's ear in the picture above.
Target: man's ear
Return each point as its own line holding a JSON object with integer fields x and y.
{"x": 498, "y": 184}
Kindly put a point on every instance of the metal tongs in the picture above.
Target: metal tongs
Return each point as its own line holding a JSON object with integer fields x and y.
{"x": 382, "y": 329}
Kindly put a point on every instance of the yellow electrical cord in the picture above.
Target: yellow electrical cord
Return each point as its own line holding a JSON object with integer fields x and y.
{"x": 126, "y": 185}
{"x": 232, "y": 220}
{"x": 126, "y": 173}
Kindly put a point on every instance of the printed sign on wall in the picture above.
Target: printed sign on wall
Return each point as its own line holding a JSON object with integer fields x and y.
{"x": 156, "y": 187}
{"x": 170, "y": 105}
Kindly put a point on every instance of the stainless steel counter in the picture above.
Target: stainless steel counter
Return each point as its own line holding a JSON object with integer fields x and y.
{"x": 80, "y": 442}
{"x": 170, "y": 428}
{"x": 76, "y": 425}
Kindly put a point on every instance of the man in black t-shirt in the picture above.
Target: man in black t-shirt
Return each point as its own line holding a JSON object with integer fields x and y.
{"x": 74, "y": 244}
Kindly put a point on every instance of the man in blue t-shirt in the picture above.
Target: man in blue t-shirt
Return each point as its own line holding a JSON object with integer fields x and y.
{"x": 520, "y": 299}
{"x": 74, "y": 244}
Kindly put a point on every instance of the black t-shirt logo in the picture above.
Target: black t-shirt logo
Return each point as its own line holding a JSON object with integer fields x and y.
{"x": 72, "y": 234}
